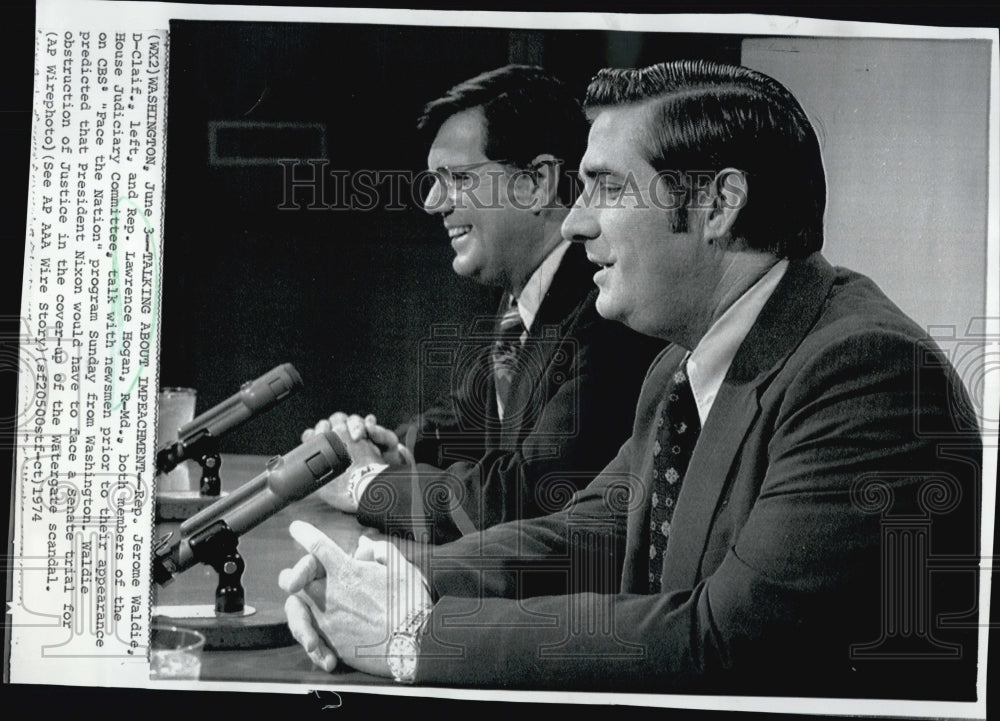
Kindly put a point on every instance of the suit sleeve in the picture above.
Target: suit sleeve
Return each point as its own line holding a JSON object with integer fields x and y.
{"x": 858, "y": 422}
{"x": 532, "y": 557}
{"x": 423, "y": 433}
{"x": 581, "y": 426}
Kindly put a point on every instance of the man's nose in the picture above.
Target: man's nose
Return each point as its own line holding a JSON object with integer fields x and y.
{"x": 581, "y": 224}
{"x": 438, "y": 199}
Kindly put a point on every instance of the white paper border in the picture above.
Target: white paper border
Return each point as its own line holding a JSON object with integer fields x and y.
{"x": 99, "y": 14}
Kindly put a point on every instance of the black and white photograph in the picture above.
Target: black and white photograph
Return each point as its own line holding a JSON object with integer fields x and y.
{"x": 376, "y": 200}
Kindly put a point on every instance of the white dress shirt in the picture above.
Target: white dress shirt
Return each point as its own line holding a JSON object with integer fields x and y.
{"x": 538, "y": 284}
{"x": 709, "y": 362}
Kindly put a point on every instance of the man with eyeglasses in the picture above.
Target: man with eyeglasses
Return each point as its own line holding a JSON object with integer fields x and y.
{"x": 797, "y": 510}
{"x": 543, "y": 396}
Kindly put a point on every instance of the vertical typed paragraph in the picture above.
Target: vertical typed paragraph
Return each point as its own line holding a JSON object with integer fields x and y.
{"x": 87, "y": 337}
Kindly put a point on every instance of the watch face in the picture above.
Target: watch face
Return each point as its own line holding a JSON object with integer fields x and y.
{"x": 402, "y": 657}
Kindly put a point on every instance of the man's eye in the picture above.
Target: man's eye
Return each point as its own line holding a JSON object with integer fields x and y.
{"x": 461, "y": 180}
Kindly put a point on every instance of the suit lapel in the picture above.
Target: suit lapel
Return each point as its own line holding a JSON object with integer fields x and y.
{"x": 571, "y": 283}
{"x": 782, "y": 324}
{"x": 480, "y": 390}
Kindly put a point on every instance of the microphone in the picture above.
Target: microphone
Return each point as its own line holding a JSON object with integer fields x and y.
{"x": 254, "y": 397}
{"x": 286, "y": 479}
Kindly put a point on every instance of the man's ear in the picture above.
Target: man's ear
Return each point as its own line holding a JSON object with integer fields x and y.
{"x": 545, "y": 169}
{"x": 729, "y": 195}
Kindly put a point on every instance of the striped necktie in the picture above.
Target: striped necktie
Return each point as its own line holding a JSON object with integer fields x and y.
{"x": 508, "y": 342}
{"x": 679, "y": 427}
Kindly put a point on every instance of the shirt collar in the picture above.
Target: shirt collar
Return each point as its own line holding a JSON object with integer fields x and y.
{"x": 538, "y": 284}
{"x": 709, "y": 362}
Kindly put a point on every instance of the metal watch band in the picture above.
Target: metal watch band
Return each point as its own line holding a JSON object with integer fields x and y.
{"x": 357, "y": 476}
{"x": 404, "y": 646}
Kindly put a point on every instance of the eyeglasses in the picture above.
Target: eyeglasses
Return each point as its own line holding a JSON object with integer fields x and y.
{"x": 457, "y": 177}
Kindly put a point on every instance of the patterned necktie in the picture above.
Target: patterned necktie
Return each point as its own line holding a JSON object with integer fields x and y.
{"x": 508, "y": 343}
{"x": 679, "y": 427}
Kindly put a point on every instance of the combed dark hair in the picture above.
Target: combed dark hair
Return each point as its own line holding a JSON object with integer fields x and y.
{"x": 528, "y": 113}
{"x": 706, "y": 116}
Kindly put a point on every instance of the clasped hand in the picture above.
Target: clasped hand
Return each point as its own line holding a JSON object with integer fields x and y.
{"x": 366, "y": 441}
{"x": 344, "y": 607}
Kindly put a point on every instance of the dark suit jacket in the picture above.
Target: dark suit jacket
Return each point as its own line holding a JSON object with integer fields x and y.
{"x": 570, "y": 408}
{"x": 828, "y": 517}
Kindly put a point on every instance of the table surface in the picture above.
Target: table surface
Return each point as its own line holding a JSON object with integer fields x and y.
{"x": 266, "y": 549}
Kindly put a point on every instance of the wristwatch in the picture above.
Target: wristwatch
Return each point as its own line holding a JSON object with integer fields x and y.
{"x": 404, "y": 647}
{"x": 358, "y": 480}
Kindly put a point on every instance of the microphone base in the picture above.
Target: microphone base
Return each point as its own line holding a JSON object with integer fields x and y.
{"x": 265, "y": 627}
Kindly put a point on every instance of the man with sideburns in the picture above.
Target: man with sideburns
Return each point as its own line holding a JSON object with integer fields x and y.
{"x": 800, "y": 453}
{"x": 543, "y": 395}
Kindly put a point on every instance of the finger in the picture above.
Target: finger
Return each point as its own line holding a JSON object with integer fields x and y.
{"x": 324, "y": 658}
{"x": 382, "y": 550}
{"x": 306, "y": 569}
{"x": 314, "y": 541}
{"x": 379, "y": 552}
{"x": 356, "y": 427}
{"x": 339, "y": 427}
{"x": 365, "y": 550}
{"x": 322, "y": 426}
{"x": 338, "y": 418}
{"x": 307, "y": 434}
{"x": 300, "y": 623}
{"x": 383, "y": 438}
{"x": 371, "y": 420}
{"x": 315, "y": 593}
